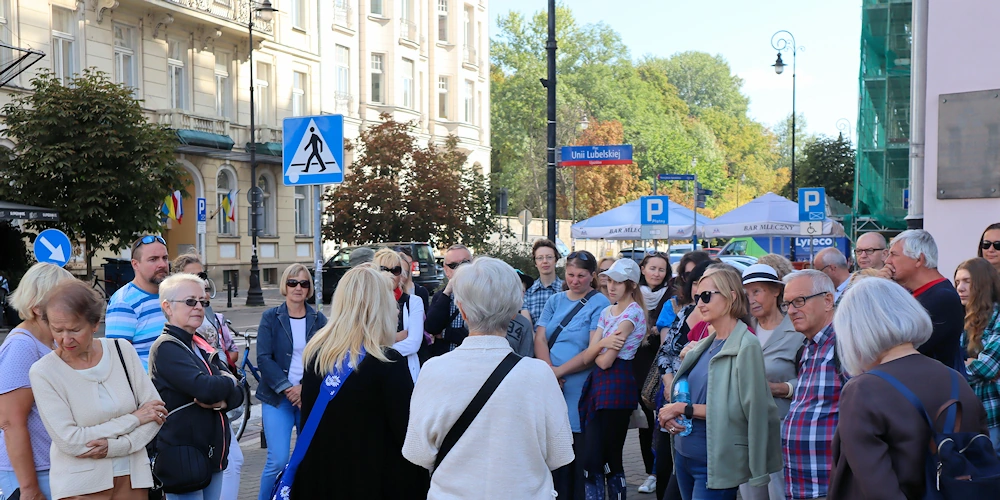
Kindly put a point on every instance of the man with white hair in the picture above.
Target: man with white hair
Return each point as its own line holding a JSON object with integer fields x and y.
{"x": 834, "y": 264}
{"x": 912, "y": 263}
{"x": 808, "y": 429}
{"x": 871, "y": 251}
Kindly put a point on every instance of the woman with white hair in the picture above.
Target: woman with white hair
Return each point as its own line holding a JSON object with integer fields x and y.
{"x": 522, "y": 432}
{"x": 880, "y": 446}
{"x": 24, "y": 443}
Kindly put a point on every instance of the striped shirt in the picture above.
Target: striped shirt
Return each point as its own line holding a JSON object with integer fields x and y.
{"x": 135, "y": 315}
{"x": 807, "y": 431}
{"x": 983, "y": 372}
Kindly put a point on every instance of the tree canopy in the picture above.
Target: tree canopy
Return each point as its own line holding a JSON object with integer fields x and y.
{"x": 829, "y": 163}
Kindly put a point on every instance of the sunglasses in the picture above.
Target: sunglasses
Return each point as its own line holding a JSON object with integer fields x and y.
{"x": 578, "y": 255}
{"x": 194, "y": 302}
{"x": 149, "y": 238}
{"x": 203, "y": 275}
{"x": 294, "y": 283}
{"x": 986, "y": 244}
{"x": 396, "y": 271}
{"x": 705, "y": 296}
{"x": 454, "y": 265}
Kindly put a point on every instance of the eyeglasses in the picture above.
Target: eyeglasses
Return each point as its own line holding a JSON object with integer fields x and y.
{"x": 824, "y": 268}
{"x": 986, "y": 244}
{"x": 149, "y": 238}
{"x": 578, "y": 255}
{"x": 396, "y": 271}
{"x": 705, "y": 296}
{"x": 545, "y": 258}
{"x": 454, "y": 265}
{"x": 602, "y": 269}
{"x": 194, "y": 302}
{"x": 203, "y": 275}
{"x": 799, "y": 302}
{"x": 294, "y": 283}
{"x": 867, "y": 251}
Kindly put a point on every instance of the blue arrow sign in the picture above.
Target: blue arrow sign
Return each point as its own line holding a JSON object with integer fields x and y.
{"x": 812, "y": 204}
{"x": 675, "y": 177}
{"x": 52, "y": 246}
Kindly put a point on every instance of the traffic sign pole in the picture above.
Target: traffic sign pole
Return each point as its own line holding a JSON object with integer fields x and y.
{"x": 318, "y": 246}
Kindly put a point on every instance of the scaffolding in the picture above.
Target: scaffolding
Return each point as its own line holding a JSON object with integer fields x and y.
{"x": 882, "y": 165}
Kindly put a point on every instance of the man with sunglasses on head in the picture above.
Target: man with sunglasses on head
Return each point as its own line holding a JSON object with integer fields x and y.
{"x": 443, "y": 319}
{"x": 134, "y": 312}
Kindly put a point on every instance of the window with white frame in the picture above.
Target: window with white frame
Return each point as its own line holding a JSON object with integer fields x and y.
{"x": 342, "y": 60}
{"x": 223, "y": 87}
{"x": 64, "y": 44}
{"x": 443, "y": 97}
{"x": 125, "y": 60}
{"x": 377, "y": 8}
{"x": 176, "y": 74}
{"x": 224, "y": 184}
{"x": 406, "y": 10}
{"x": 262, "y": 93}
{"x": 408, "y": 101}
{"x": 298, "y": 9}
{"x": 303, "y": 219}
{"x": 468, "y": 37}
{"x": 470, "y": 101}
{"x": 299, "y": 84}
{"x": 265, "y": 184}
{"x": 442, "y": 11}
{"x": 5, "y": 30}
{"x": 378, "y": 78}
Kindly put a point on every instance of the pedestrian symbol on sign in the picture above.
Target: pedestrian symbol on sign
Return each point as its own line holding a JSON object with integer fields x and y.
{"x": 317, "y": 145}
{"x": 312, "y": 150}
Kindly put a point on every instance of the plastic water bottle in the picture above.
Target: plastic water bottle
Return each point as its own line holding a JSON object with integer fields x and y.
{"x": 682, "y": 394}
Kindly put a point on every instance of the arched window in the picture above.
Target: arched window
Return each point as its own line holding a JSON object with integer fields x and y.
{"x": 266, "y": 184}
{"x": 225, "y": 184}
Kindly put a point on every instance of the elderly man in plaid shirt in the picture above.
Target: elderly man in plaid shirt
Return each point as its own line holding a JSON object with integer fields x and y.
{"x": 545, "y": 254}
{"x": 807, "y": 431}
{"x": 443, "y": 319}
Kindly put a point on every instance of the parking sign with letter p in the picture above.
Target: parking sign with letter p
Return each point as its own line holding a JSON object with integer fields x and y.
{"x": 812, "y": 204}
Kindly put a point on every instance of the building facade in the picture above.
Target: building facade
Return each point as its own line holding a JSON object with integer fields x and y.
{"x": 189, "y": 62}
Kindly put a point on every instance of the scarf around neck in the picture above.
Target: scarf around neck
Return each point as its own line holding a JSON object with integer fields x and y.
{"x": 651, "y": 298}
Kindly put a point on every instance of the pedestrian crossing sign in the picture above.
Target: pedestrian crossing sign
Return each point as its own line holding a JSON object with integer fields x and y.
{"x": 313, "y": 150}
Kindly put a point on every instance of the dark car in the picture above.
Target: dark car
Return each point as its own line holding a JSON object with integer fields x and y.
{"x": 425, "y": 270}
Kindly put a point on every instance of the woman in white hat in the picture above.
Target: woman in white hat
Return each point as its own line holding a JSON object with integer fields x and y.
{"x": 780, "y": 343}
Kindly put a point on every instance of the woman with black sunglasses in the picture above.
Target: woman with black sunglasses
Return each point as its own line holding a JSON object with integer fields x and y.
{"x": 989, "y": 245}
{"x": 281, "y": 338}
{"x": 410, "y": 310}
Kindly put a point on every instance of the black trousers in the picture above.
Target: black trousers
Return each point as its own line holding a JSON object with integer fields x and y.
{"x": 646, "y": 439}
{"x": 604, "y": 439}
{"x": 568, "y": 479}
{"x": 665, "y": 489}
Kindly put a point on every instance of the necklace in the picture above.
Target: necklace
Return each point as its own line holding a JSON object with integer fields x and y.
{"x": 716, "y": 345}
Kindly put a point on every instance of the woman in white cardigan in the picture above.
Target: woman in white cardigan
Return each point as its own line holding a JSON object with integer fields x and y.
{"x": 99, "y": 411}
{"x": 410, "y": 327}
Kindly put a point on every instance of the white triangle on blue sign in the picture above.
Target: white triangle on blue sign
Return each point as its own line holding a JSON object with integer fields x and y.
{"x": 312, "y": 156}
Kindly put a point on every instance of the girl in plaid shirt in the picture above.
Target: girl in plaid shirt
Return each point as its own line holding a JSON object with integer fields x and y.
{"x": 611, "y": 393}
{"x": 978, "y": 285}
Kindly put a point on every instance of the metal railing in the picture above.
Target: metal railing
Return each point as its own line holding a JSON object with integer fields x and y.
{"x": 469, "y": 55}
{"x": 342, "y": 102}
{"x": 238, "y": 12}
{"x": 408, "y": 30}
{"x": 342, "y": 14}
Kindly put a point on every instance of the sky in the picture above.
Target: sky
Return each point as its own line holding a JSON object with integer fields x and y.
{"x": 740, "y": 31}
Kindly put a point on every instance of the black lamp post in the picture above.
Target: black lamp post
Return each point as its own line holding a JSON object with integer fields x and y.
{"x": 255, "y": 296}
{"x": 780, "y": 43}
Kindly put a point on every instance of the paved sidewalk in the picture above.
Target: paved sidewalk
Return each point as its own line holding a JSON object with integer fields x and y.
{"x": 254, "y": 458}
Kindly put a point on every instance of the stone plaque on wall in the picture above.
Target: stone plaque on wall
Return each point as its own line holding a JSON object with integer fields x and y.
{"x": 969, "y": 145}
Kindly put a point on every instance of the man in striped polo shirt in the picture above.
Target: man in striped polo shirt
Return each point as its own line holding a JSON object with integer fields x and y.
{"x": 134, "y": 312}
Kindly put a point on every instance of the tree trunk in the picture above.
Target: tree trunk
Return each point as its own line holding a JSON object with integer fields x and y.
{"x": 89, "y": 256}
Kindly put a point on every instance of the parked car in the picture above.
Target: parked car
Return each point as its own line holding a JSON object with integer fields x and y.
{"x": 740, "y": 262}
{"x": 426, "y": 270}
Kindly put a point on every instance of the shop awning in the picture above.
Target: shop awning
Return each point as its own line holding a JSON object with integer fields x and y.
{"x": 16, "y": 211}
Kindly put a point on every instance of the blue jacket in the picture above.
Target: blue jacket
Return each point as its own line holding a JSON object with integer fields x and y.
{"x": 274, "y": 350}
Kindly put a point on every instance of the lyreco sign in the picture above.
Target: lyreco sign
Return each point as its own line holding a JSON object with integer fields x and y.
{"x": 816, "y": 242}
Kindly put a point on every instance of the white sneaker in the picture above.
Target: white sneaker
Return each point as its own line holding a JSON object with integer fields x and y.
{"x": 649, "y": 486}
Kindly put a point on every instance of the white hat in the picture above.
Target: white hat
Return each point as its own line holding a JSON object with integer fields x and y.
{"x": 623, "y": 270}
{"x": 761, "y": 273}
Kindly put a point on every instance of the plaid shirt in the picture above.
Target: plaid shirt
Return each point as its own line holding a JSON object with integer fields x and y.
{"x": 536, "y": 295}
{"x": 807, "y": 431}
{"x": 983, "y": 372}
{"x": 611, "y": 389}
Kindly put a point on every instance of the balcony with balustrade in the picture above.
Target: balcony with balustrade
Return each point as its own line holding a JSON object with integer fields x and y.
{"x": 217, "y": 137}
{"x": 469, "y": 59}
{"x": 230, "y": 16}
{"x": 408, "y": 33}
{"x": 343, "y": 17}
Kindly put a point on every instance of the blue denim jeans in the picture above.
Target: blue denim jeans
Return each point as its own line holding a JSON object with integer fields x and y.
{"x": 692, "y": 478}
{"x": 210, "y": 492}
{"x": 278, "y": 422}
{"x": 8, "y": 483}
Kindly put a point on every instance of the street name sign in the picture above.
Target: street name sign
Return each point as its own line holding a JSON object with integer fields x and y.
{"x": 583, "y": 156}
{"x": 313, "y": 150}
{"x": 675, "y": 177}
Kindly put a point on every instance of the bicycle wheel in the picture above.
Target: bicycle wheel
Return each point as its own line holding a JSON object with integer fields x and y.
{"x": 239, "y": 417}
{"x": 211, "y": 289}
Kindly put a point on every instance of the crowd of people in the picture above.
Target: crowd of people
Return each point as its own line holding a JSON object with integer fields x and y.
{"x": 771, "y": 383}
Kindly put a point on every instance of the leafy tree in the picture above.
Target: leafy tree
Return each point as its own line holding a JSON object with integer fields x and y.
{"x": 704, "y": 82}
{"x": 601, "y": 188}
{"x": 86, "y": 150}
{"x": 828, "y": 163}
{"x": 783, "y": 130}
{"x": 398, "y": 191}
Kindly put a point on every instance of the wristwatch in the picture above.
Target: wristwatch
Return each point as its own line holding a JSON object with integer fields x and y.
{"x": 689, "y": 411}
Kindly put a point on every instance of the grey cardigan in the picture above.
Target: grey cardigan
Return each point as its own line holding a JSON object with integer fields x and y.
{"x": 779, "y": 358}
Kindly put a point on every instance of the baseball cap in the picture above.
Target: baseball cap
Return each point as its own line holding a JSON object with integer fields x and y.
{"x": 761, "y": 273}
{"x": 623, "y": 270}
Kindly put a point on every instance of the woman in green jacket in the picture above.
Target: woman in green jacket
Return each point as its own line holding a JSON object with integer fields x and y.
{"x": 734, "y": 435}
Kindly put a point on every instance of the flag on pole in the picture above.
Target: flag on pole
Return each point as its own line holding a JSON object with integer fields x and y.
{"x": 229, "y": 205}
{"x": 173, "y": 206}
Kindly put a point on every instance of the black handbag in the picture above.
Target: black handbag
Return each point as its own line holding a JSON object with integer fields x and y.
{"x": 182, "y": 469}
{"x": 156, "y": 492}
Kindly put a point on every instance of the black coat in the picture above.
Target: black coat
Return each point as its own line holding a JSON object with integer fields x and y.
{"x": 357, "y": 450}
{"x": 438, "y": 322}
{"x": 180, "y": 377}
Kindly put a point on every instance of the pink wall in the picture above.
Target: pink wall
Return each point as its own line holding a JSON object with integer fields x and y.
{"x": 961, "y": 57}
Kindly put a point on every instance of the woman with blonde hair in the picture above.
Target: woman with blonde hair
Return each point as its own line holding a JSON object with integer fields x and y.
{"x": 603, "y": 265}
{"x": 409, "y": 310}
{"x": 361, "y": 388}
{"x": 24, "y": 443}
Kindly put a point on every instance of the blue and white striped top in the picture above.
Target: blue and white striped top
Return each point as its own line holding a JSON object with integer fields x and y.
{"x": 135, "y": 315}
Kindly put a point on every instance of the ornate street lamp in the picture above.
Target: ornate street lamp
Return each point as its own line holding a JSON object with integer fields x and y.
{"x": 255, "y": 296}
{"x": 782, "y": 41}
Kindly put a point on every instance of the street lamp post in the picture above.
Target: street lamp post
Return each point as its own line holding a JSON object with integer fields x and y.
{"x": 780, "y": 43}
{"x": 255, "y": 296}
{"x": 844, "y": 126}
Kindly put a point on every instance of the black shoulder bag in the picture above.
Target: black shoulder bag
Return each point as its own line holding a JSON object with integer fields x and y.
{"x": 569, "y": 317}
{"x": 475, "y": 406}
